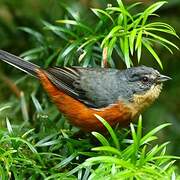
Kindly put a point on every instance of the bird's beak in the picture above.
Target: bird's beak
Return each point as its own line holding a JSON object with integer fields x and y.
{"x": 161, "y": 78}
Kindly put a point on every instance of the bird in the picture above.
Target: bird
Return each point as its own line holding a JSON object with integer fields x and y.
{"x": 80, "y": 93}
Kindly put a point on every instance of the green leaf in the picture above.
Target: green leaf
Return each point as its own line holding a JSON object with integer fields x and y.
{"x": 38, "y": 36}
{"x": 162, "y": 39}
{"x": 154, "y": 7}
{"x": 133, "y": 5}
{"x": 152, "y": 132}
{"x": 60, "y": 31}
{"x": 99, "y": 11}
{"x": 131, "y": 40}
{"x": 88, "y": 55}
{"x": 154, "y": 151}
{"x": 4, "y": 108}
{"x": 126, "y": 52}
{"x": 142, "y": 156}
{"x": 162, "y": 30}
{"x": 135, "y": 143}
{"x": 9, "y": 127}
{"x": 144, "y": 15}
{"x": 24, "y": 107}
{"x": 73, "y": 12}
{"x": 67, "y": 53}
{"x": 160, "y": 24}
{"x": 47, "y": 141}
{"x": 75, "y": 23}
{"x": 101, "y": 138}
{"x": 170, "y": 164}
{"x": 151, "y": 9}
{"x": 33, "y": 51}
{"x": 166, "y": 157}
{"x": 87, "y": 42}
{"x": 159, "y": 42}
{"x": 82, "y": 56}
{"x": 65, "y": 161}
{"x": 50, "y": 58}
{"x": 69, "y": 48}
{"x": 151, "y": 50}
{"x": 36, "y": 103}
{"x": 125, "y": 12}
{"x": 139, "y": 128}
{"x": 18, "y": 139}
{"x": 138, "y": 40}
{"x": 139, "y": 52}
{"x": 120, "y": 3}
{"x": 111, "y": 47}
{"x": 149, "y": 139}
{"x": 27, "y": 133}
{"x": 138, "y": 46}
{"x": 108, "y": 159}
{"x": 110, "y": 130}
{"x": 110, "y": 149}
{"x": 111, "y": 34}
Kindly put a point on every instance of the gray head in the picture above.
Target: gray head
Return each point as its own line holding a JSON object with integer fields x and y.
{"x": 144, "y": 85}
{"x": 141, "y": 79}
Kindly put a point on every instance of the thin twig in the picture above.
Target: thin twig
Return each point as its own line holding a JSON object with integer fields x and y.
{"x": 105, "y": 58}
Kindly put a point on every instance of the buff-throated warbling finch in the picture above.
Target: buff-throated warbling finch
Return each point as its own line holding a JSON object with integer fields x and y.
{"x": 79, "y": 93}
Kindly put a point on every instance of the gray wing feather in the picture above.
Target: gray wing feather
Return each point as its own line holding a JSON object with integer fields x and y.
{"x": 68, "y": 80}
{"x": 95, "y": 87}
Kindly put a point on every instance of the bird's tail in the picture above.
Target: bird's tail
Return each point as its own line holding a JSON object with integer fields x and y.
{"x": 19, "y": 63}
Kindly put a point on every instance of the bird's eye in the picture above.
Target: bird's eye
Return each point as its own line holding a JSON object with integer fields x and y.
{"x": 145, "y": 79}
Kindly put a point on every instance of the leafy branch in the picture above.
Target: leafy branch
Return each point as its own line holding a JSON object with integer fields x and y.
{"x": 132, "y": 160}
{"x": 118, "y": 31}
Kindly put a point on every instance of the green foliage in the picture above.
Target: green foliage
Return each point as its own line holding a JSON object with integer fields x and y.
{"x": 133, "y": 160}
{"x": 59, "y": 155}
{"x": 40, "y": 143}
{"x": 116, "y": 30}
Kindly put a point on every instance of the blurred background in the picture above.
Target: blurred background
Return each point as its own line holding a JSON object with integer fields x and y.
{"x": 15, "y": 14}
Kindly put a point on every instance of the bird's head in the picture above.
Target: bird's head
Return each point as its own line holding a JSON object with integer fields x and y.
{"x": 144, "y": 84}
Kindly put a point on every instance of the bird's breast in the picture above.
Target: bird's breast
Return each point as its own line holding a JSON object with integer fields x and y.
{"x": 144, "y": 100}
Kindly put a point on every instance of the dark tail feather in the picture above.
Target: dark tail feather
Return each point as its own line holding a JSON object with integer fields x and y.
{"x": 19, "y": 63}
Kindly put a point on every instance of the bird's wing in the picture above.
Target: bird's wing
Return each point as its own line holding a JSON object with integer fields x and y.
{"x": 68, "y": 80}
